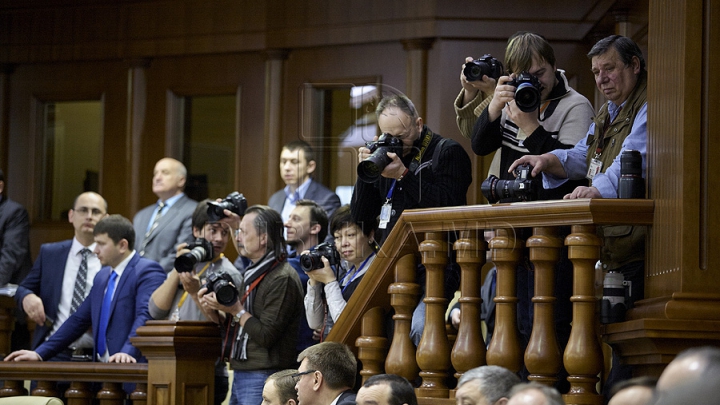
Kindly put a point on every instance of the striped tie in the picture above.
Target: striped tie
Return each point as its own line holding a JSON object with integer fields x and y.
{"x": 158, "y": 215}
{"x": 80, "y": 282}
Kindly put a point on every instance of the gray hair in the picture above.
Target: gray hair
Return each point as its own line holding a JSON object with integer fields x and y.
{"x": 552, "y": 396}
{"x": 495, "y": 381}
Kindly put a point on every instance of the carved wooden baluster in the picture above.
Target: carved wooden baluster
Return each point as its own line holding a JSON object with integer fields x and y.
{"x": 12, "y": 388}
{"x": 372, "y": 343}
{"x": 433, "y": 354}
{"x": 583, "y": 355}
{"x": 111, "y": 394}
{"x": 139, "y": 396}
{"x": 469, "y": 349}
{"x": 404, "y": 294}
{"x": 504, "y": 349}
{"x": 46, "y": 389}
{"x": 79, "y": 393}
{"x": 542, "y": 357}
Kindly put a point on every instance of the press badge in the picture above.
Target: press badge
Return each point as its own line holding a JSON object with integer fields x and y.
{"x": 594, "y": 168}
{"x": 385, "y": 212}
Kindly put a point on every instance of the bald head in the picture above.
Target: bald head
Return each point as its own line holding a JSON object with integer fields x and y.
{"x": 169, "y": 178}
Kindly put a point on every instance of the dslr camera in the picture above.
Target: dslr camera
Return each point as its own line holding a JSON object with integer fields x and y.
{"x": 201, "y": 250}
{"x": 522, "y": 188}
{"x": 527, "y": 94}
{"x": 234, "y": 202}
{"x": 221, "y": 283}
{"x": 369, "y": 170}
{"x": 312, "y": 260}
{"x": 485, "y": 66}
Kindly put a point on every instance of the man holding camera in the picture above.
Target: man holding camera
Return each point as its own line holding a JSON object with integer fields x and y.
{"x": 259, "y": 329}
{"x": 424, "y": 171}
{"x": 553, "y": 115}
{"x": 164, "y": 225}
{"x": 176, "y": 299}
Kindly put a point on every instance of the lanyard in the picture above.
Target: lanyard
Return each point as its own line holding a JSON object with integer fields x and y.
{"x": 185, "y": 294}
{"x": 357, "y": 272}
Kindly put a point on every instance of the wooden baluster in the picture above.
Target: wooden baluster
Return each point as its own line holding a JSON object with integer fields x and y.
{"x": 7, "y": 323}
{"x": 372, "y": 344}
{"x": 79, "y": 393}
{"x": 469, "y": 349}
{"x": 583, "y": 355}
{"x": 13, "y": 388}
{"x": 504, "y": 349}
{"x": 404, "y": 294}
{"x": 139, "y": 396}
{"x": 433, "y": 352}
{"x": 111, "y": 394}
{"x": 46, "y": 389}
{"x": 542, "y": 357}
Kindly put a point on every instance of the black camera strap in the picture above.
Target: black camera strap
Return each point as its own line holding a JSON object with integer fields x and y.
{"x": 423, "y": 147}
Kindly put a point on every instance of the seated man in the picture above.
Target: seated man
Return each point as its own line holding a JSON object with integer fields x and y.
{"x": 534, "y": 394}
{"x": 117, "y": 303}
{"x": 170, "y": 300}
{"x": 279, "y": 389}
{"x": 486, "y": 384}
{"x": 326, "y": 375}
{"x": 386, "y": 389}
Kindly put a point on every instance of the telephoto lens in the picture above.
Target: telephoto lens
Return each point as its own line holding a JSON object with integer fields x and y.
{"x": 631, "y": 183}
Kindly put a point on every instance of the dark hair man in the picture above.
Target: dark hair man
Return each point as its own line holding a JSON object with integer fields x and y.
{"x": 326, "y": 375}
{"x": 297, "y": 164}
{"x": 386, "y": 389}
{"x": 164, "y": 225}
{"x": 261, "y": 327}
{"x": 125, "y": 274}
{"x": 279, "y": 389}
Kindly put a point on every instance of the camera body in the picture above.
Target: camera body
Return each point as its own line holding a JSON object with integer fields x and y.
{"x": 313, "y": 259}
{"x": 234, "y": 202}
{"x": 485, "y": 66}
{"x": 523, "y": 188}
{"x": 527, "y": 93}
{"x": 221, "y": 283}
{"x": 369, "y": 170}
{"x": 201, "y": 250}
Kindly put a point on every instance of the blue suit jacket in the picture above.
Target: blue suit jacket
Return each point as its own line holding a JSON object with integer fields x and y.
{"x": 129, "y": 309}
{"x": 315, "y": 192}
{"x": 45, "y": 280}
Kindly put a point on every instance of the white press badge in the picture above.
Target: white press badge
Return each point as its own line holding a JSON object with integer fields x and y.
{"x": 594, "y": 168}
{"x": 385, "y": 212}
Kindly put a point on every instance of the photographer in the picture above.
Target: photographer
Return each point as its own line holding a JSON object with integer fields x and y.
{"x": 356, "y": 246}
{"x": 417, "y": 176}
{"x": 558, "y": 122}
{"x": 170, "y": 300}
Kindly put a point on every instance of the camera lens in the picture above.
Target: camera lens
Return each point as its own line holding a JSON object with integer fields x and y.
{"x": 369, "y": 170}
{"x": 527, "y": 97}
{"x": 225, "y": 293}
{"x": 309, "y": 262}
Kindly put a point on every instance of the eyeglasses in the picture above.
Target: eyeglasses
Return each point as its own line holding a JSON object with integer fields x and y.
{"x": 297, "y": 376}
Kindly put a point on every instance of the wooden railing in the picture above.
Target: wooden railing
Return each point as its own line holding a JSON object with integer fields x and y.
{"x": 390, "y": 285}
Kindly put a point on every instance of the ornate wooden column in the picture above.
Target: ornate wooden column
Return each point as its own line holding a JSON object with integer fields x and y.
{"x": 504, "y": 349}
{"x": 372, "y": 344}
{"x": 181, "y": 360}
{"x": 136, "y": 110}
{"x": 542, "y": 357}
{"x": 469, "y": 350}
{"x": 417, "y": 66}
{"x": 274, "y": 59}
{"x": 404, "y": 294}
{"x": 433, "y": 352}
{"x": 583, "y": 355}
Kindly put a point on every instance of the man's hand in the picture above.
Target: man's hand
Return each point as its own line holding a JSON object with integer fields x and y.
{"x": 583, "y": 192}
{"x": 527, "y": 121}
{"x": 121, "y": 358}
{"x": 504, "y": 94}
{"x": 486, "y": 85}
{"x": 191, "y": 282}
{"x": 23, "y": 355}
{"x": 455, "y": 318}
{"x": 33, "y": 307}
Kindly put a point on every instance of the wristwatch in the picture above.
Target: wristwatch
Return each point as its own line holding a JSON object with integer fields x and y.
{"x": 236, "y": 318}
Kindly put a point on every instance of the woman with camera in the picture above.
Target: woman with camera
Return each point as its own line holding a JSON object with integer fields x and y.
{"x": 330, "y": 289}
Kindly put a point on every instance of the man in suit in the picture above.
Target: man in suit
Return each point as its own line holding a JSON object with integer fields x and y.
{"x": 118, "y": 301}
{"x": 15, "y": 259}
{"x": 47, "y": 293}
{"x": 297, "y": 164}
{"x": 387, "y": 389}
{"x": 326, "y": 375}
{"x": 164, "y": 225}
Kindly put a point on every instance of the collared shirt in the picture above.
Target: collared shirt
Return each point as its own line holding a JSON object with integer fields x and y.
{"x": 292, "y": 198}
{"x": 574, "y": 160}
{"x": 168, "y": 203}
{"x": 72, "y": 265}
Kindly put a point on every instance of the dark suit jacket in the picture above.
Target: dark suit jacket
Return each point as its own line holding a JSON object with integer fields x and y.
{"x": 45, "y": 280}
{"x": 15, "y": 259}
{"x": 346, "y": 398}
{"x": 174, "y": 228}
{"x": 129, "y": 310}
{"x": 316, "y": 192}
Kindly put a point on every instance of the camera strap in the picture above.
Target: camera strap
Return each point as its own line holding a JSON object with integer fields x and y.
{"x": 423, "y": 147}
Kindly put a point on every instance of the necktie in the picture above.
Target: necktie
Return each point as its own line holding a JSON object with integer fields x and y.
{"x": 105, "y": 314}
{"x": 156, "y": 219}
{"x": 80, "y": 282}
